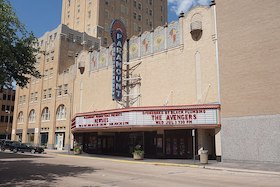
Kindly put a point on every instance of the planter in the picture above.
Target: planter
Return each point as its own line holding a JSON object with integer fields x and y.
{"x": 138, "y": 156}
{"x": 77, "y": 152}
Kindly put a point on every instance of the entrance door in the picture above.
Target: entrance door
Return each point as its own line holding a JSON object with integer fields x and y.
{"x": 150, "y": 142}
{"x": 178, "y": 144}
{"x": 59, "y": 141}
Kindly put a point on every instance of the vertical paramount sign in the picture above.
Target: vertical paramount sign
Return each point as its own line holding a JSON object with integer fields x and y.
{"x": 118, "y": 34}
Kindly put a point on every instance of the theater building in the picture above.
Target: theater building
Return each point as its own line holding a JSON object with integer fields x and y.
{"x": 170, "y": 94}
{"x": 170, "y": 101}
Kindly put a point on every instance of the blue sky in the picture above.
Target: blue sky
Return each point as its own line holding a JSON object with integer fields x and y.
{"x": 40, "y": 16}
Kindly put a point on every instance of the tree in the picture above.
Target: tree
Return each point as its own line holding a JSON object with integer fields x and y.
{"x": 17, "y": 49}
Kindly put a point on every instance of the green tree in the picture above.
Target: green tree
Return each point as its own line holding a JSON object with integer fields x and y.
{"x": 17, "y": 49}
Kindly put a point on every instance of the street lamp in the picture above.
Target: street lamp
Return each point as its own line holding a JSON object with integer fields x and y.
{"x": 8, "y": 125}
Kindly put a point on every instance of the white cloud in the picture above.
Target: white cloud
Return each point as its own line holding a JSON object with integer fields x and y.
{"x": 179, "y": 6}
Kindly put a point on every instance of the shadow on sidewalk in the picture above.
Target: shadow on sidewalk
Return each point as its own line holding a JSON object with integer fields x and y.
{"x": 29, "y": 173}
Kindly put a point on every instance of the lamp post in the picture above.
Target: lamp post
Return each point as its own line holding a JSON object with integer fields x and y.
{"x": 8, "y": 125}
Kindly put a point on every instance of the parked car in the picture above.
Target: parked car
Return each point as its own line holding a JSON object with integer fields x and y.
{"x": 6, "y": 144}
{"x": 37, "y": 149}
{"x": 23, "y": 147}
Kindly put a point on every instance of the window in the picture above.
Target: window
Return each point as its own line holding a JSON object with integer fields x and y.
{"x": 139, "y": 29}
{"x": 134, "y": 15}
{"x": 61, "y": 112}
{"x": 78, "y": 8}
{"x": 49, "y": 93}
{"x": 3, "y": 107}
{"x": 23, "y": 98}
{"x": 88, "y": 28}
{"x": 13, "y": 97}
{"x": 139, "y": 6}
{"x": 20, "y": 117}
{"x": 89, "y": 14}
{"x": 59, "y": 90}
{"x": 65, "y": 89}
{"x": 139, "y": 17}
{"x": 151, "y": 2}
{"x": 45, "y": 94}
{"x": 50, "y": 72}
{"x": 4, "y": 96}
{"x": 46, "y": 74}
{"x": 12, "y": 108}
{"x": 2, "y": 118}
{"x": 35, "y": 96}
{"x": 151, "y": 12}
{"x": 31, "y": 97}
{"x": 8, "y": 108}
{"x": 32, "y": 116}
{"x": 45, "y": 114}
{"x": 134, "y": 3}
{"x": 9, "y": 97}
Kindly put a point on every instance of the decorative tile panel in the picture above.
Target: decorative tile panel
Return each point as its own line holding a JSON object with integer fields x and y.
{"x": 110, "y": 55}
{"x": 102, "y": 58}
{"x": 159, "y": 39}
{"x": 173, "y": 34}
{"x": 93, "y": 61}
{"x": 133, "y": 48}
{"x": 146, "y": 43}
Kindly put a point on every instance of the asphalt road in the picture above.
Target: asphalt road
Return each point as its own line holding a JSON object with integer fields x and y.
{"x": 67, "y": 170}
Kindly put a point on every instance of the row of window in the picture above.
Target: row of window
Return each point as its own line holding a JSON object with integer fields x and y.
{"x": 6, "y": 119}
{"x": 47, "y": 94}
{"x": 48, "y": 73}
{"x": 7, "y": 97}
{"x": 45, "y": 115}
{"x": 51, "y": 38}
{"x": 34, "y": 96}
{"x": 7, "y": 108}
{"x": 22, "y": 99}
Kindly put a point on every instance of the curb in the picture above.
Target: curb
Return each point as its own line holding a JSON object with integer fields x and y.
{"x": 129, "y": 161}
{"x": 241, "y": 170}
{"x": 172, "y": 164}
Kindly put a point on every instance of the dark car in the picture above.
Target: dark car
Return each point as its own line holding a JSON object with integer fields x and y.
{"x": 23, "y": 147}
{"x": 6, "y": 144}
{"x": 37, "y": 149}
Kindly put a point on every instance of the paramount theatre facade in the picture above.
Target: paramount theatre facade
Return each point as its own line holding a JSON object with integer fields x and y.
{"x": 170, "y": 101}
{"x": 170, "y": 95}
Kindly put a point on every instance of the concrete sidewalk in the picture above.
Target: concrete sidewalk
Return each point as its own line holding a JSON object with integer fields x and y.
{"x": 249, "y": 167}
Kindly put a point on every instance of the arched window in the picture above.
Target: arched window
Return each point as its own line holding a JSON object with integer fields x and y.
{"x": 45, "y": 114}
{"x": 61, "y": 112}
{"x": 20, "y": 117}
{"x": 32, "y": 116}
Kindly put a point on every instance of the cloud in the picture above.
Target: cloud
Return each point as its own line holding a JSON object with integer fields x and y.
{"x": 179, "y": 6}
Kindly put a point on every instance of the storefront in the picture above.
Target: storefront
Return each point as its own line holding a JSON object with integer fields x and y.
{"x": 163, "y": 132}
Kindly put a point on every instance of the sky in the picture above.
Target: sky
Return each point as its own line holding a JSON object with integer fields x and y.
{"x": 40, "y": 16}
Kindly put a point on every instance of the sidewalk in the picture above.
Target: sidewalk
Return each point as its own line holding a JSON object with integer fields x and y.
{"x": 249, "y": 167}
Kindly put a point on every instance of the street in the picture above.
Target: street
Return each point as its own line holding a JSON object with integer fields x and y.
{"x": 69, "y": 170}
